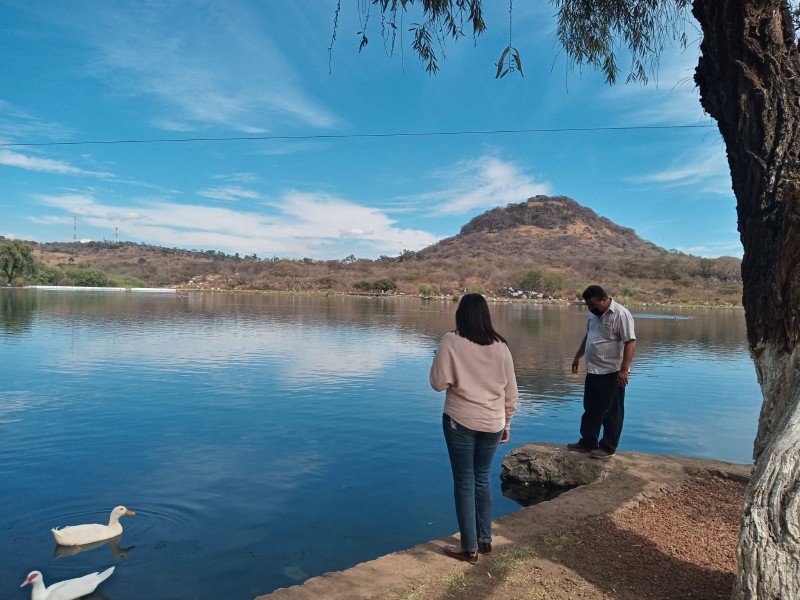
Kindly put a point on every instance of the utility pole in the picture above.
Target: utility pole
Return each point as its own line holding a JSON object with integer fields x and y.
{"x": 74, "y": 237}
{"x": 116, "y": 237}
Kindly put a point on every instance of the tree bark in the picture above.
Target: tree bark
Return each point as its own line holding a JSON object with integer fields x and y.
{"x": 749, "y": 81}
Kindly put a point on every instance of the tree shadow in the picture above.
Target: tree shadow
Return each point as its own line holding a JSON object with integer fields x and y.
{"x": 629, "y": 566}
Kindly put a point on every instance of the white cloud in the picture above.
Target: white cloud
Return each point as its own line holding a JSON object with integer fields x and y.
{"x": 231, "y": 193}
{"x": 207, "y": 65}
{"x": 708, "y": 172}
{"x": 11, "y": 158}
{"x": 670, "y": 98}
{"x": 19, "y": 124}
{"x": 482, "y": 183}
{"x": 239, "y": 177}
{"x": 298, "y": 224}
{"x": 715, "y": 249}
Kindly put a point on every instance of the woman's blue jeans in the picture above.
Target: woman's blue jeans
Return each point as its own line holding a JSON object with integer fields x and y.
{"x": 471, "y": 453}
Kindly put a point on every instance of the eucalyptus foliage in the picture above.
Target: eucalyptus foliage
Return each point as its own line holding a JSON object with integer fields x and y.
{"x": 16, "y": 259}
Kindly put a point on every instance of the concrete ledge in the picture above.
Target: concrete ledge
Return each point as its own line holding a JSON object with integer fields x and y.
{"x": 609, "y": 486}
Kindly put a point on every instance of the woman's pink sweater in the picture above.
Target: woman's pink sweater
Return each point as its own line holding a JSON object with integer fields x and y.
{"x": 480, "y": 382}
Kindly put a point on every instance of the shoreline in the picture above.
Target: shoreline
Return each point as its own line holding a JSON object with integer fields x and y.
{"x": 628, "y": 480}
{"x": 180, "y": 289}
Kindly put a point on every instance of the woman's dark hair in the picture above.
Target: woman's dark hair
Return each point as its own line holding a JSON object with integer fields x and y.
{"x": 474, "y": 322}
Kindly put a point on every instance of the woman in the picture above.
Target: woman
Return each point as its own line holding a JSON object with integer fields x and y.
{"x": 474, "y": 365}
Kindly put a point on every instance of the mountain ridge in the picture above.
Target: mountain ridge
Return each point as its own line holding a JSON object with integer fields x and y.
{"x": 554, "y": 243}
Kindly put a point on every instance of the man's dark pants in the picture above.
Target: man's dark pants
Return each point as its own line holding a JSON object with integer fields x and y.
{"x": 603, "y": 405}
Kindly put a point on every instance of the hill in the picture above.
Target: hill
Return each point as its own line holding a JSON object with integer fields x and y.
{"x": 549, "y": 246}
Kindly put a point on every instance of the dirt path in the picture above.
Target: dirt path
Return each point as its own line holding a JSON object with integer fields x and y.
{"x": 650, "y": 528}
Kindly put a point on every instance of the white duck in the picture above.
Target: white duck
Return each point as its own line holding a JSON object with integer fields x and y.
{"x": 69, "y": 589}
{"x": 78, "y": 535}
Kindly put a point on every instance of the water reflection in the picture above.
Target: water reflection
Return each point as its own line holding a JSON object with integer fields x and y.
{"x": 227, "y": 417}
{"x": 113, "y": 546}
{"x": 17, "y": 308}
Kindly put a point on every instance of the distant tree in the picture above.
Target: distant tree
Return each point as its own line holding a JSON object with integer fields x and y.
{"x": 16, "y": 260}
{"x": 88, "y": 277}
{"x": 531, "y": 281}
{"x": 407, "y": 255}
{"x": 384, "y": 285}
{"x": 50, "y": 275}
{"x": 478, "y": 288}
{"x": 553, "y": 282}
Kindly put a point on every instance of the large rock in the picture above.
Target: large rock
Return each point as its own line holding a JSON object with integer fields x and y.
{"x": 552, "y": 466}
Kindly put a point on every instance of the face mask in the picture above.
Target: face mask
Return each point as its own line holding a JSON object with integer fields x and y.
{"x": 596, "y": 311}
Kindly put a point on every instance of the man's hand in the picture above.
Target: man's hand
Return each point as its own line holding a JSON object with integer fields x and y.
{"x": 622, "y": 377}
{"x": 505, "y": 436}
{"x": 575, "y": 364}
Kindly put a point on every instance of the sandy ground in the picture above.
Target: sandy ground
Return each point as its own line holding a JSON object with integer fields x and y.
{"x": 652, "y": 527}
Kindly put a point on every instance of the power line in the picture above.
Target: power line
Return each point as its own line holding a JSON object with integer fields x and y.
{"x": 352, "y": 135}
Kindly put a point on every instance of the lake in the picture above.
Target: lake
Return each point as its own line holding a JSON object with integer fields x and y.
{"x": 265, "y": 439}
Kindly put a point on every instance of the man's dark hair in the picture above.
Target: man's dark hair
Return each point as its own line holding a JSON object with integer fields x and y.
{"x": 474, "y": 322}
{"x": 594, "y": 291}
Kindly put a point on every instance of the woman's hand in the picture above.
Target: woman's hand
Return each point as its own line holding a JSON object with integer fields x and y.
{"x": 505, "y": 436}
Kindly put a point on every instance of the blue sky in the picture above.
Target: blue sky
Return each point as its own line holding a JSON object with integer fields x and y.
{"x": 107, "y": 71}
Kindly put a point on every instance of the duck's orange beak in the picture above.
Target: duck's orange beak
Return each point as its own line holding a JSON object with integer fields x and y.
{"x": 129, "y": 512}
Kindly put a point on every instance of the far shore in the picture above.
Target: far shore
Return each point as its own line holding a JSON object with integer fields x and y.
{"x": 440, "y": 298}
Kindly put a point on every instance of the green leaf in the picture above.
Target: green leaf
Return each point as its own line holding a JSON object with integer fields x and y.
{"x": 518, "y": 61}
{"x": 501, "y": 63}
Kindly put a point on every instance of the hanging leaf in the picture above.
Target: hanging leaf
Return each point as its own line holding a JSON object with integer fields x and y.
{"x": 364, "y": 42}
{"x": 518, "y": 61}
{"x": 503, "y": 74}
{"x": 501, "y": 63}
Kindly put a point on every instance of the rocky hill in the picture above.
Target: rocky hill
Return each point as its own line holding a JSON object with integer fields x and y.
{"x": 570, "y": 244}
{"x": 548, "y": 246}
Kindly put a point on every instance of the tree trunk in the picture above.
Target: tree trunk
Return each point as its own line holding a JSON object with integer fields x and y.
{"x": 749, "y": 81}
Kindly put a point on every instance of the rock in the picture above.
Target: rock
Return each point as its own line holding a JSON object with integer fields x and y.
{"x": 552, "y": 466}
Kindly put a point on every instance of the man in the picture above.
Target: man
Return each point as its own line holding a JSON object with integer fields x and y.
{"x": 609, "y": 345}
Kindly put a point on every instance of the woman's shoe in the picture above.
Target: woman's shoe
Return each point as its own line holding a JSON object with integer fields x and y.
{"x": 453, "y": 552}
{"x": 484, "y": 547}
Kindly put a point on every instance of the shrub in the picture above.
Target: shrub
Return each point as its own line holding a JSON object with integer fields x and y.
{"x": 531, "y": 281}
{"x": 384, "y": 285}
{"x": 478, "y": 288}
{"x": 127, "y": 281}
{"x": 88, "y": 277}
{"x": 50, "y": 275}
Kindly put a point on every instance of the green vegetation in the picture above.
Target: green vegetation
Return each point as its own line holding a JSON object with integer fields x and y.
{"x": 126, "y": 281}
{"x": 428, "y": 290}
{"x": 381, "y": 285}
{"x": 16, "y": 260}
{"x": 463, "y": 581}
{"x": 87, "y": 278}
{"x": 509, "y": 560}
